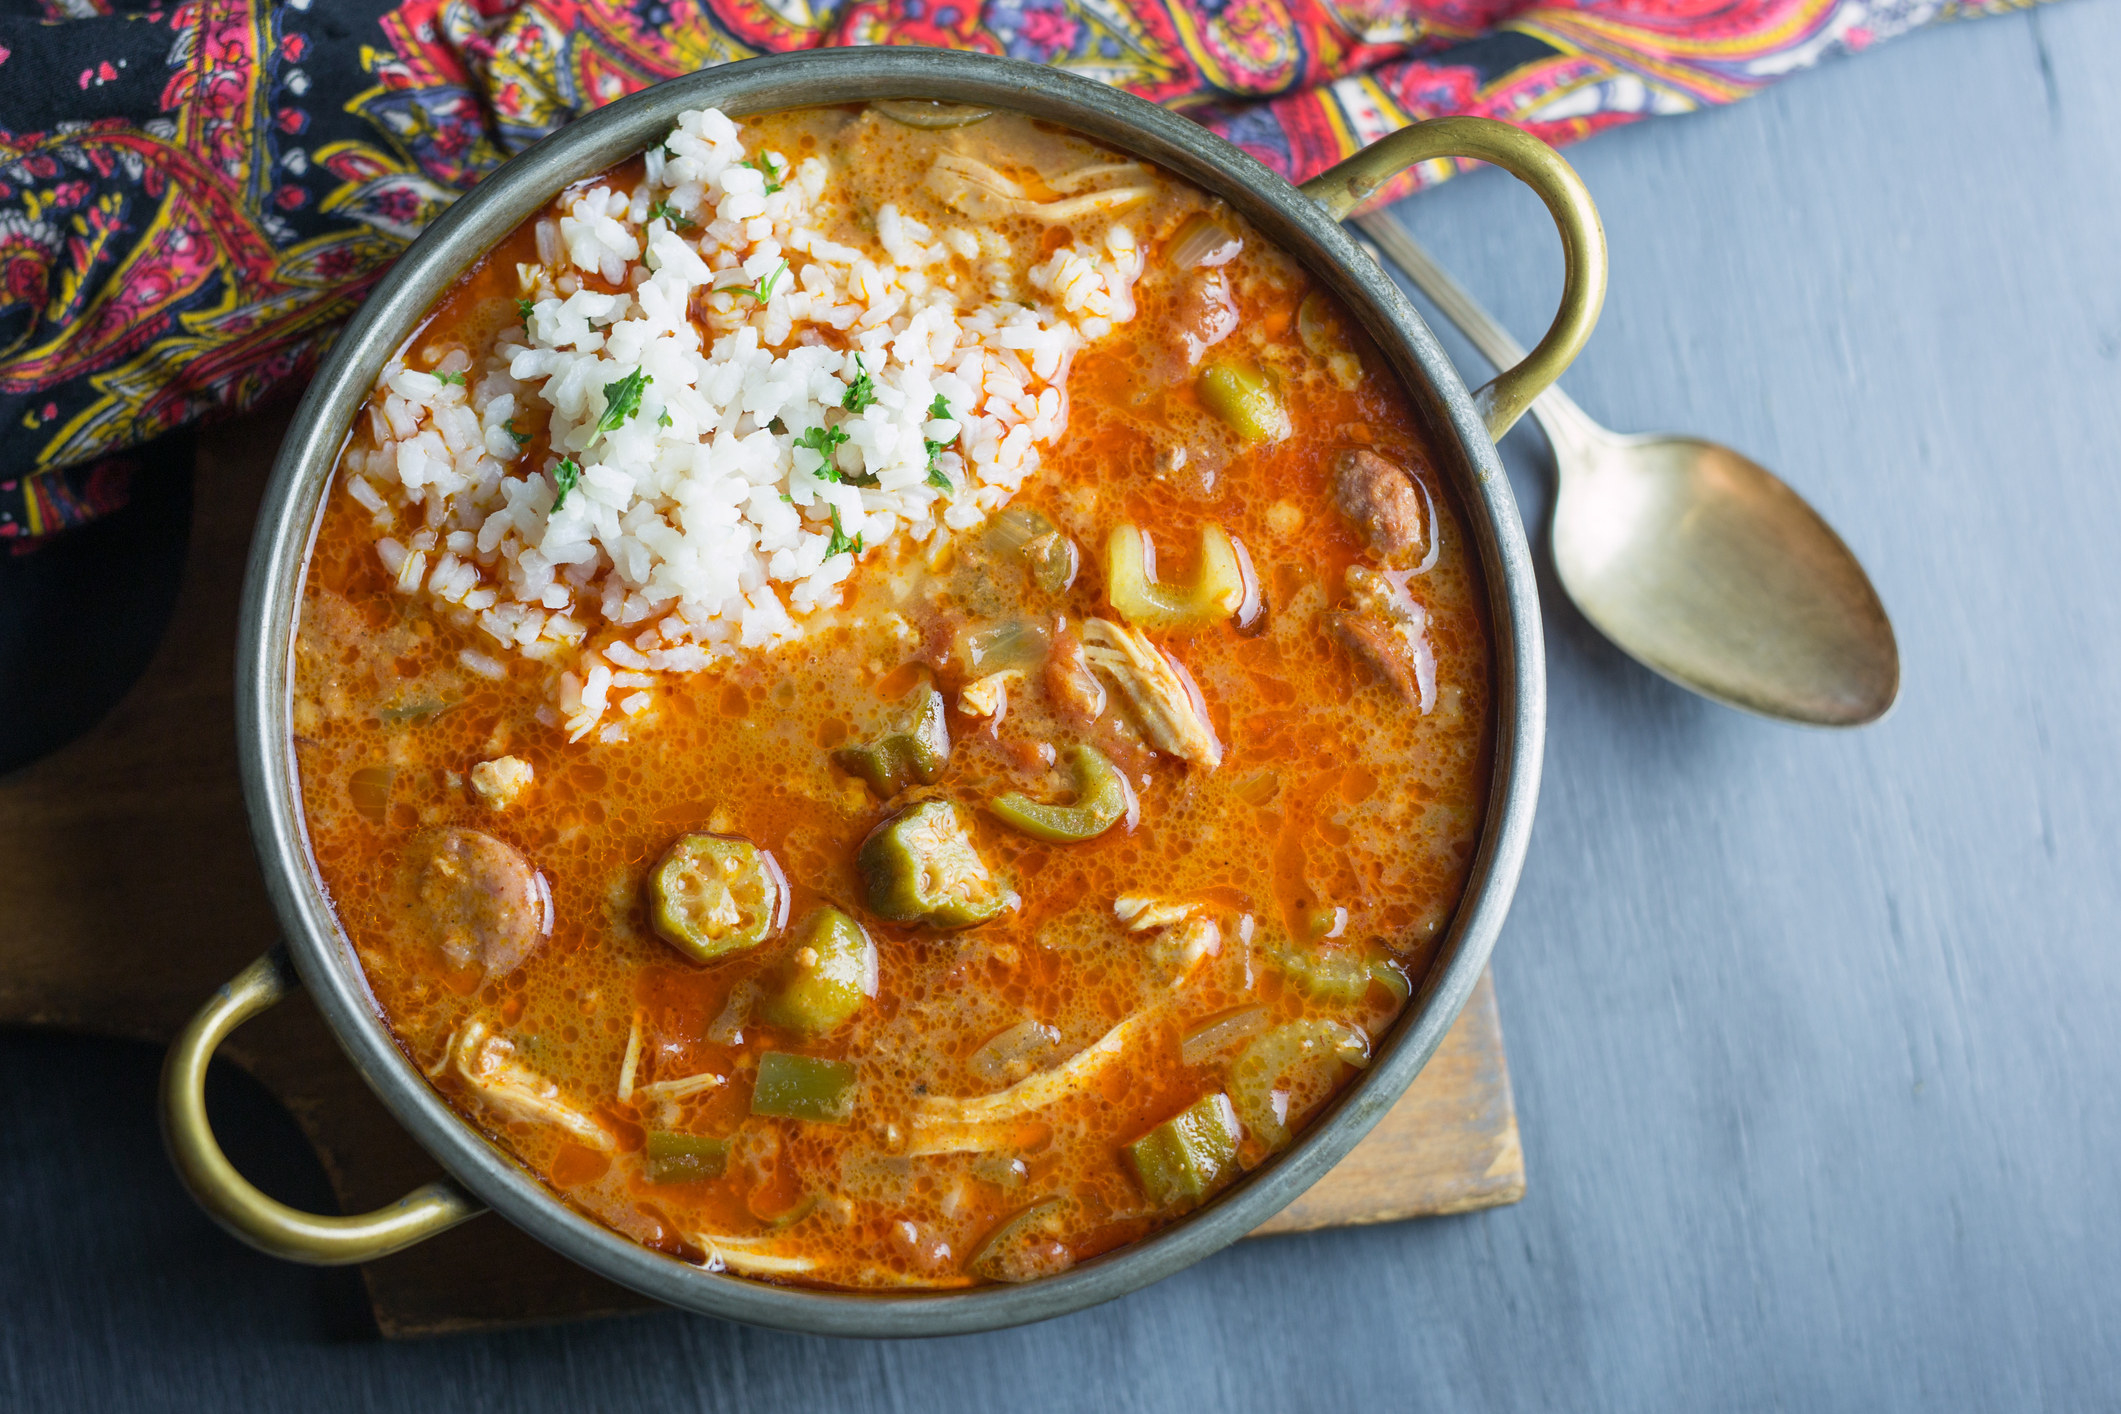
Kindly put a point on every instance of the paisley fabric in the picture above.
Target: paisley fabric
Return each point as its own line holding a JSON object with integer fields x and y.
{"x": 194, "y": 195}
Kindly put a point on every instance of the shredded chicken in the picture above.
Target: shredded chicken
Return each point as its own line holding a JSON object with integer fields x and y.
{"x": 1141, "y": 913}
{"x": 971, "y": 188}
{"x": 1075, "y": 179}
{"x": 500, "y": 781}
{"x": 1181, "y": 948}
{"x": 988, "y": 696}
{"x": 1070, "y": 681}
{"x": 1165, "y": 702}
{"x": 632, "y": 1061}
{"x": 679, "y": 1088}
{"x": 1386, "y": 628}
{"x": 1035, "y": 1092}
{"x": 747, "y": 1255}
{"x": 486, "y": 1061}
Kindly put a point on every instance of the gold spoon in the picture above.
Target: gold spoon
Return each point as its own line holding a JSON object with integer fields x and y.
{"x": 1701, "y": 564}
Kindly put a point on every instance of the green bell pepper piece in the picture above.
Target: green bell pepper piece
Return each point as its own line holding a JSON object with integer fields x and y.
{"x": 671, "y": 1157}
{"x": 1102, "y": 799}
{"x": 712, "y": 895}
{"x": 804, "y": 1087}
{"x": 821, "y": 994}
{"x": 920, "y": 866}
{"x": 1183, "y": 1158}
{"x": 912, "y": 752}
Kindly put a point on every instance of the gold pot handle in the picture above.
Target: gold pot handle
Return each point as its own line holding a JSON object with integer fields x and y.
{"x": 1342, "y": 188}
{"x": 229, "y": 1199}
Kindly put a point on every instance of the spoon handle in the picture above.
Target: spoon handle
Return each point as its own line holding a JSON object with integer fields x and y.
{"x": 1556, "y": 411}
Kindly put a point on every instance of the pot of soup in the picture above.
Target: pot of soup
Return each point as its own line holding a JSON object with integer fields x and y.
{"x": 887, "y": 692}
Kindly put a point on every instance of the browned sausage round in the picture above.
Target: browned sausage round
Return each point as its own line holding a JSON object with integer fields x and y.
{"x": 479, "y": 899}
{"x": 1380, "y": 498}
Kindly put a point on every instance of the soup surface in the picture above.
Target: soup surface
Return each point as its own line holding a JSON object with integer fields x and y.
{"x": 889, "y": 698}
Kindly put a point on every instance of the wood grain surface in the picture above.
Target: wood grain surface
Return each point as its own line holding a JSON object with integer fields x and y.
{"x": 132, "y": 893}
{"x": 1814, "y": 1036}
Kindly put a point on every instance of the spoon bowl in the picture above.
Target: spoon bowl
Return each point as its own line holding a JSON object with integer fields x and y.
{"x": 1701, "y": 564}
{"x": 1707, "y": 568}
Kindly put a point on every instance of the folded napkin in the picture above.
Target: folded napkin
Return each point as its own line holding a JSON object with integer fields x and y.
{"x": 194, "y": 195}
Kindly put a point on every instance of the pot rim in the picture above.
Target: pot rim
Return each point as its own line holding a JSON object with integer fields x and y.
{"x": 288, "y": 520}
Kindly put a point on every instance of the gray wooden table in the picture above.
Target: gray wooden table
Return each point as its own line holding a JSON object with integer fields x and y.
{"x": 1815, "y": 1037}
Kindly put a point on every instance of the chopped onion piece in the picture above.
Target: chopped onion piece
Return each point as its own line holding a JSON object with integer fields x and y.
{"x": 1203, "y": 241}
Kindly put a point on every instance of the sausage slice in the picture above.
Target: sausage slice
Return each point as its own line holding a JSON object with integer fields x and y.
{"x": 480, "y": 900}
{"x": 1379, "y": 496}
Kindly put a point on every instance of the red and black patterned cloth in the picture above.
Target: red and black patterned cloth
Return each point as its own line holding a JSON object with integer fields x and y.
{"x": 194, "y": 195}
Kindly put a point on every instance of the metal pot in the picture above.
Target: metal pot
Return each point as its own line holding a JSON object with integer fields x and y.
{"x": 1462, "y": 428}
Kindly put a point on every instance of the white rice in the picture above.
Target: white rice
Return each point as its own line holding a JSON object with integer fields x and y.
{"x": 693, "y": 527}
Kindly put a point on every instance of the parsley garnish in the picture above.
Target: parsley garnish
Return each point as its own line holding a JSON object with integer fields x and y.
{"x": 662, "y": 209}
{"x": 456, "y": 378}
{"x": 762, "y": 290}
{"x": 622, "y": 400}
{"x": 824, "y": 441}
{"x": 938, "y": 411}
{"x": 521, "y": 437}
{"x": 566, "y": 476}
{"x": 525, "y": 308}
{"x": 765, "y": 166}
{"x": 662, "y": 419}
{"x": 839, "y": 542}
{"x": 862, "y": 391}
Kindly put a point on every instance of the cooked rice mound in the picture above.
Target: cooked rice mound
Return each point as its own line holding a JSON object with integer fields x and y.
{"x": 690, "y": 348}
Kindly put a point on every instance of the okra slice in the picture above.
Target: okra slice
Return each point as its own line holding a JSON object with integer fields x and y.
{"x": 1102, "y": 799}
{"x": 804, "y": 1087}
{"x": 912, "y": 751}
{"x": 1338, "y": 975}
{"x": 1217, "y": 590}
{"x": 670, "y": 1157}
{"x": 919, "y": 866}
{"x": 1182, "y": 1159}
{"x": 1241, "y": 396}
{"x": 712, "y": 895}
{"x": 830, "y": 971}
{"x": 1025, "y": 1246}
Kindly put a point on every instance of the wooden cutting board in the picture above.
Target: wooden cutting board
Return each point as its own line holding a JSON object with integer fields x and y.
{"x": 131, "y": 893}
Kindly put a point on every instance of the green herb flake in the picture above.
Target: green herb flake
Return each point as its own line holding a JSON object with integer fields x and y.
{"x": 661, "y": 212}
{"x": 453, "y": 378}
{"x": 938, "y": 411}
{"x": 862, "y": 391}
{"x": 622, "y": 400}
{"x": 762, "y": 290}
{"x": 521, "y": 438}
{"x": 567, "y": 475}
{"x": 525, "y": 308}
{"x": 766, "y": 167}
{"x": 824, "y": 441}
{"x": 839, "y": 543}
{"x": 662, "y": 419}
